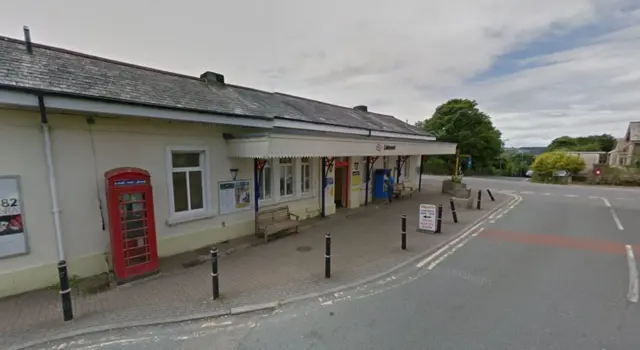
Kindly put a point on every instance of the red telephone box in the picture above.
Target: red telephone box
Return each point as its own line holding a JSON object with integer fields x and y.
{"x": 132, "y": 223}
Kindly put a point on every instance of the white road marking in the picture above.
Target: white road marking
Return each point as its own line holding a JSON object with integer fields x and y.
{"x": 464, "y": 236}
{"x": 216, "y": 324}
{"x": 571, "y": 195}
{"x": 594, "y": 197}
{"x": 617, "y": 220}
{"x": 527, "y": 192}
{"x": 613, "y": 213}
{"x": 624, "y": 199}
{"x": 447, "y": 246}
{"x": 633, "y": 276}
{"x": 447, "y": 254}
{"x": 513, "y": 203}
{"x": 546, "y": 194}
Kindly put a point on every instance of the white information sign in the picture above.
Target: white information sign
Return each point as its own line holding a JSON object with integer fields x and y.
{"x": 13, "y": 237}
{"x": 234, "y": 196}
{"x": 427, "y": 217}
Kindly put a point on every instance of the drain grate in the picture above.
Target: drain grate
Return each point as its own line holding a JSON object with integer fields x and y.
{"x": 304, "y": 248}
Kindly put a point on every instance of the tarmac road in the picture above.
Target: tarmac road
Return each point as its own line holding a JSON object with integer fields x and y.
{"x": 556, "y": 270}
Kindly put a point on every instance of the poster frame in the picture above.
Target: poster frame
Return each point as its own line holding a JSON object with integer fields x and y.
{"x": 251, "y": 199}
{"x": 27, "y": 247}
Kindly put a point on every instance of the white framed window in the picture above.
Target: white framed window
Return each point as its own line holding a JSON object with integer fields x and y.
{"x": 286, "y": 177}
{"x": 305, "y": 175}
{"x": 265, "y": 181}
{"x": 188, "y": 175}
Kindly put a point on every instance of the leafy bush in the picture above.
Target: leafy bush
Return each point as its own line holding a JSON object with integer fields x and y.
{"x": 437, "y": 166}
{"x": 617, "y": 177}
{"x": 548, "y": 163}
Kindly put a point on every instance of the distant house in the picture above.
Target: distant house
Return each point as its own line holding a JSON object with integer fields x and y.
{"x": 627, "y": 151}
{"x": 590, "y": 159}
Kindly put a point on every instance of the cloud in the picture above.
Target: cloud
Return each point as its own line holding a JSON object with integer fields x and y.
{"x": 592, "y": 89}
{"x": 402, "y": 58}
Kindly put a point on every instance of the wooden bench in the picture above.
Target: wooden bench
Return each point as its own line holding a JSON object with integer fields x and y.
{"x": 272, "y": 221}
{"x": 400, "y": 190}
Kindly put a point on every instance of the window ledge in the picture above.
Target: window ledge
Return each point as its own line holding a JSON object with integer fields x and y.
{"x": 180, "y": 219}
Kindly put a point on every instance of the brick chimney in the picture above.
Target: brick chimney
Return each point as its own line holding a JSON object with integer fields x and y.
{"x": 212, "y": 78}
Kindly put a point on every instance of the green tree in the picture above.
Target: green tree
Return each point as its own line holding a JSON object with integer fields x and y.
{"x": 548, "y": 163}
{"x": 460, "y": 121}
{"x": 592, "y": 143}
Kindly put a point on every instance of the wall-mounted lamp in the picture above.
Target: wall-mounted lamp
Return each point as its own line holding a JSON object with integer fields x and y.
{"x": 234, "y": 173}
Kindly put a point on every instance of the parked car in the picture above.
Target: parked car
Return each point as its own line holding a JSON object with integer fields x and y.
{"x": 529, "y": 173}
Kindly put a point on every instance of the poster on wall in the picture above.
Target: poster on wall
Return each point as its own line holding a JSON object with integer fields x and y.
{"x": 13, "y": 237}
{"x": 234, "y": 196}
{"x": 355, "y": 178}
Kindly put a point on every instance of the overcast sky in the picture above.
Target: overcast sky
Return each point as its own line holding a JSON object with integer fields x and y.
{"x": 540, "y": 68}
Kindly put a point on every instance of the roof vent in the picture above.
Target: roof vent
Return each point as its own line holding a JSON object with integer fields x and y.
{"x": 361, "y": 108}
{"x": 212, "y": 78}
{"x": 27, "y": 39}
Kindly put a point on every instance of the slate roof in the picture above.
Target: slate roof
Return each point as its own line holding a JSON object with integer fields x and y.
{"x": 322, "y": 112}
{"x": 56, "y": 70}
{"x": 633, "y": 132}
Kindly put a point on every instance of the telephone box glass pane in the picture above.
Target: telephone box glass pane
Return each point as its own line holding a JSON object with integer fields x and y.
{"x": 134, "y": 226}
{"x": 195, "y": 189}
{"x": 180, "y": 198}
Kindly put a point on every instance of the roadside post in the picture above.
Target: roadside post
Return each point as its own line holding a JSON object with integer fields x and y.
{"x": 453, "y": 211}
{"x": 404, "y": 232}
{"x": 65, "y": 291}
{"x": 439, "y": 224}
{"x": 327, "y": 256}
{"x": 491, "y": 195}
{"x": 479, "y": 199}
{"x": 215, "y": 282}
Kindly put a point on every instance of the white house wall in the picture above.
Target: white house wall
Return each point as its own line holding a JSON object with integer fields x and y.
{"x": 83, "y": 152}
{"x": 116, "y": 142}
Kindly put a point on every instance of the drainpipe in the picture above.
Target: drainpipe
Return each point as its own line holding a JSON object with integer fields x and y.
{"x": 366, "y": 183}
{"x": 52, "y": 177}
{"x": 420, "y": 176}
{"x": 324, "y": 184}
{"x": 397, "y": 168}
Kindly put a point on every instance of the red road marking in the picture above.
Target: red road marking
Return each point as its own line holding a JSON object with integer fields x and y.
{"x": 556, "y": 241}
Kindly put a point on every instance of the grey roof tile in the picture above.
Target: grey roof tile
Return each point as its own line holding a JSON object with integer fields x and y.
{"x": 322, "y": 112}
{"x": 57, "y": 70}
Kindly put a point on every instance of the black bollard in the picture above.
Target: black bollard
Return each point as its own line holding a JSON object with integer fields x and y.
{"x": 453, "y": 211}
{"x": 327, "y": 256}
{"x": 214, "y": 273}
{"x": 439, "y": 222}
{"x": 65, "y": 291}
{"x": 479, "y": 198}
{"x": 404, "y": 232}
{"x": 491, "y": 195}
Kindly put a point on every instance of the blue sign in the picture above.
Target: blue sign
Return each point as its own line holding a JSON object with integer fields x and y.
{"x": 469, "y": 163}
